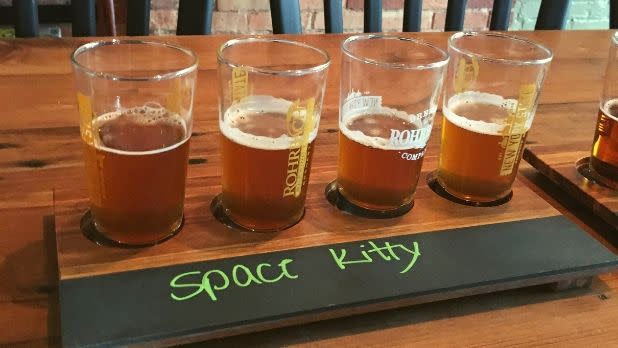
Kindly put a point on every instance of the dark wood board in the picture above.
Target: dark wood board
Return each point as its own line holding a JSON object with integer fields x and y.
{"x": 565, "y": 165}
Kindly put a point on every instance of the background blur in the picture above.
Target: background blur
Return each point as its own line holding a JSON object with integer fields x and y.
{"x": 253, "y": 16}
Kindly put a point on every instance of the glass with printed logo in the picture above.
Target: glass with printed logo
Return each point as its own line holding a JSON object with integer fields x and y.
{"x": 604, "y": 156}
{"x": 270, "y": 102}
{"x": 135, "y": 122}
{"x": 490, "y": 97}
{"x": 388, "y": 97}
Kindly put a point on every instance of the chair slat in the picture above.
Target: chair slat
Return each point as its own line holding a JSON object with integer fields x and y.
{"x": 613, "y": 14}
{"x": 47, "y": 14}
{"x": 333, "y": 16}
{"x": 138, "y": 17}
{"x": 55, "y": 14}
{"x": 106, "y": 18}
{"x": 500, "y": 15}
{"x": 552, "y": 15}
{"x": 83, "y": 18}
{"x": 195, "y": 17}
{"x": 455, "y": 12}
{"x": 412, "y": 14}
{"x": 285, "y": 15}
{"x": 373, "y": 16}
{"x": 26, "y": 16}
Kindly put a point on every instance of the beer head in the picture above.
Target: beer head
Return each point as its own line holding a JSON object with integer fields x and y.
{"x": 385, "y": 131}
{"x": 483, "y": 113}
{"x": 141, "y": 130}
{"x": 261, "y": 122}
{"x": 610, "y": 108}
{"x": 366, "y": 121}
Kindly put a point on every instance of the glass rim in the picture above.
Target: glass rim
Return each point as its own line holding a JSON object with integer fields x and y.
{"x": 539, "y": 61}
{"x": 290, "y": 72}
{"x": 119, "y": 77}
{"x": 407, "y": 66}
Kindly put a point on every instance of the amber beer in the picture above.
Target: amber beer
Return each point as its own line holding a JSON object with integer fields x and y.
{"x": 136, "y": 161}
{"x": 478, "y": 161}
{"x": 604, "y": 159}
{"x": 265, "y": 172}
{"x": 378, "y": 169}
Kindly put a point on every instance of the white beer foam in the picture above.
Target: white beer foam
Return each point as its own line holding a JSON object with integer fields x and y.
{"x": 478, "y": 126}
{"x": 150, "y": 113}
{"x": 255, "y": 105}
{"x": 375, "y": 142}
{"x": 378, "y": 142}
{"x": 606, "y": 107}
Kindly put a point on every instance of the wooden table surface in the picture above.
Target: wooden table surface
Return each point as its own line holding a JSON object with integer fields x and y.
{"x": 39, "y": 109}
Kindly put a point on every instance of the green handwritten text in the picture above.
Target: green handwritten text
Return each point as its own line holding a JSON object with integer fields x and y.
{"x": 388, "y": 252}
{"x": 216, "y": 280}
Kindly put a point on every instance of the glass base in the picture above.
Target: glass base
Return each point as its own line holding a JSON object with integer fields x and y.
{"x": 583, "y": 167}
{"x": 338, "y": 200}
{"x": 89, "y": 229}
{"x": 220, "y": 213}
{"x": 432, "y": 181}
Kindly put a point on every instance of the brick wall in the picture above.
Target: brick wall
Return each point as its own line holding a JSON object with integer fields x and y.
{"x": 584, "y": 14}
{"x": 253, "y": 16}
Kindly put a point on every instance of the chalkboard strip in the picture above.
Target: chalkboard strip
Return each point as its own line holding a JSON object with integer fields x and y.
{"x": 323, "y": 282}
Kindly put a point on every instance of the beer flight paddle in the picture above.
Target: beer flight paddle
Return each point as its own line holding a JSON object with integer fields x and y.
{"x": 213, "y": 280}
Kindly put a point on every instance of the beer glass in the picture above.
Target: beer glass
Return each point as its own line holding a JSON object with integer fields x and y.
{"x": 604, "y": 158}
{"x": 270, "y": 102}
{"x": 490, "y": 97}
{"x": 135, "y": 103}
{"x": 388, "y": 98}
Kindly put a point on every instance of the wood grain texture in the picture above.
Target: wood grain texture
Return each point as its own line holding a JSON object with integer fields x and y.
{"x": 204, "y": 238}
{"x": 559, "y": 164}
{"x": 39, "y": 157}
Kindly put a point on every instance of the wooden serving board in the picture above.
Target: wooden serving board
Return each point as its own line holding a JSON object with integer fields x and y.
{"x": 338, "y": 264}
{"x": 566, "y": 165}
